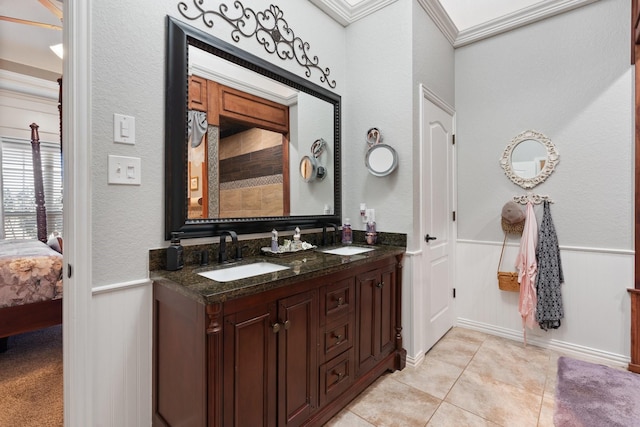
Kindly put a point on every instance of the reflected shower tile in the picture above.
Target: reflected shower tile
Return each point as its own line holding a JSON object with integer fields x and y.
{"x": 449, "y": 415}
{"x": 388, "y": 402}
{"x": 507, "y": 361}
{"x": 495, "y": 401}
{"x": 433, "y": 376}
{"x": 347, "y": 419}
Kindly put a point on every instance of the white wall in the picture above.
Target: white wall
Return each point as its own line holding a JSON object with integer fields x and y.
{"x": 570, "y": 78}
{"x": 379, "y": 94}
{"x": 25, "y": 100}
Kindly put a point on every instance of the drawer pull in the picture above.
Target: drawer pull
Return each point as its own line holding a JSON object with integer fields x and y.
{"x": 339, "y": 375}
{"x": 338, "y": 338}
{"x": 340, "y": 301}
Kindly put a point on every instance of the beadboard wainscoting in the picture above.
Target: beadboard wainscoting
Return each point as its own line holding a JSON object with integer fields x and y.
{"x": 595, "y": 299}
{"x": 122, "y": 341}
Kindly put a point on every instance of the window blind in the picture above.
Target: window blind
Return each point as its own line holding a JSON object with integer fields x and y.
{"x": 18, "y": 190}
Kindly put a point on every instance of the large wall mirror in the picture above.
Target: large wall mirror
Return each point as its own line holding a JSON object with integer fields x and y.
{"x": 237, "y": 128}
{"x": 529, "y": 159}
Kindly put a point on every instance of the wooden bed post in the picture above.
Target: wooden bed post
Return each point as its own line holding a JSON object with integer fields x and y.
{"x": 41, "y": 212}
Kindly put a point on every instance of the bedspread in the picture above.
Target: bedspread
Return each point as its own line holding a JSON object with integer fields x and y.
{"x": 30, "y": 271}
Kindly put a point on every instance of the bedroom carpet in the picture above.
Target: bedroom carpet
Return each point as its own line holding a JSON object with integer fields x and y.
{"x": 588, "y": 395}
{"x": 31, "y": 380}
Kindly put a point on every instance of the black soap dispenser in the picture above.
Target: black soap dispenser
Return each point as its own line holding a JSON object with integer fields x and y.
{"x": 175, "y": 260}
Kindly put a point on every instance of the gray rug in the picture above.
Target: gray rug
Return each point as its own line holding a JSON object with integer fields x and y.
{"x": 590, "y": 395}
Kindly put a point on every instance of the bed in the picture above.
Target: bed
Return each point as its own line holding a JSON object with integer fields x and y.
{"x": 30, "y": 272}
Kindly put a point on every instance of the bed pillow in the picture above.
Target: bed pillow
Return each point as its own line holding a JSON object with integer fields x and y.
{"x": 55, "y": 242}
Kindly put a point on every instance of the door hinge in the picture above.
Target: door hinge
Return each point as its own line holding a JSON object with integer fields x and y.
{"x": 454, "y": 292}
{"x": 454, "y": 215}
{"x": 453, "y": 139}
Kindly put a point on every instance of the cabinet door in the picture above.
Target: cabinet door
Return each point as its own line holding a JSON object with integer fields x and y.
{"x": 297, "y": 358}
{"x": 197, "y": 93}
{"x": 250, "y": 386}
{"x": 375, "y": 316}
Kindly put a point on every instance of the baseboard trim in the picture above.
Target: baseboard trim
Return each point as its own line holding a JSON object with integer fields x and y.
{"x": 415, "y": 361}
{"x": 561, "y": 346}
{"x": 120, "y": 286}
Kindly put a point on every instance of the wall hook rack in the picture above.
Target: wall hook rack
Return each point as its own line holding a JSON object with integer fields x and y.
{"x": 536, "y": 199}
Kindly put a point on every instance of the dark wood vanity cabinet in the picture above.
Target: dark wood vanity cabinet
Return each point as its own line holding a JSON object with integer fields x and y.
{"x": 376, "y": 291}
{"x": 269, "y": 359}
{"x": 289, "y": 356}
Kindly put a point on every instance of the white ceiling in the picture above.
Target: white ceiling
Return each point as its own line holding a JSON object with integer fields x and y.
{"x": 461, "y": 21}
{"x": 469, "y": 13}
{"x": 26, "y": 44}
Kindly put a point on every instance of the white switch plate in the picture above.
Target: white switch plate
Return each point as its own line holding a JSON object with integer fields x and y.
{"x": 124, "y": 129}
{"x": 125, "y": 170}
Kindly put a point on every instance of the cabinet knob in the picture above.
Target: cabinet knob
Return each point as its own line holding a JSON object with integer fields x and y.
{"x": 287, "y": 324}
{"x": 338, "y": 338}
{"x": 338, "y": 374}
{"x": 340, "y": 301}
{"x": 275, "y": 327}
{"x": 380, "y": 285}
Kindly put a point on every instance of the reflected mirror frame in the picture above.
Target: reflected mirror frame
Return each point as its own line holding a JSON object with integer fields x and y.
{"x": 179, "y": 37}
{"x": 553, "y": 157}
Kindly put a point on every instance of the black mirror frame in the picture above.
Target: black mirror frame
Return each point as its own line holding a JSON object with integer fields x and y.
{"x": 179, "y": 37}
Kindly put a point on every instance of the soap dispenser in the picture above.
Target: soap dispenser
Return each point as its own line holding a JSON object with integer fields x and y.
{"x": 347, "y": 234}
{"x": 175, "y": 260}
{"x": 297, "y": 243}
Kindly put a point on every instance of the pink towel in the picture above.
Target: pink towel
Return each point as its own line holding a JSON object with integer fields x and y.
{"x": 527, "y": 269}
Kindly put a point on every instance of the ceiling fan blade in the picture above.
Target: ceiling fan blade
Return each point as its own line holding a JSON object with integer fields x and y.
{"x": 52, "y": 7}
{"x": 24, "y": 21}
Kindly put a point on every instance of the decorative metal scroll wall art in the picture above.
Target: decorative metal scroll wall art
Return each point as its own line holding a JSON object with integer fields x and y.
{"x": 269, "y": 28}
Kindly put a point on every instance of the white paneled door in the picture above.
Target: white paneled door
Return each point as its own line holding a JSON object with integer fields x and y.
{"x": 437, "y": 209}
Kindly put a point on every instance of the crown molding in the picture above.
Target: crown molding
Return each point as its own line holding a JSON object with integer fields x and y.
{"x": 441, "y": 18}
{"x": 517, "y": 19}
{"x": 345, "y": 14}
{"x": 28, "y": 85}
{"x": 241, "y": 84}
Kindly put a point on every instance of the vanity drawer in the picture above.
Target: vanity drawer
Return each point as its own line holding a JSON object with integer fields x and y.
{"x": 336, "y": 376}
{"x": 338, "y": 337}
{"x": 338, "y": 299}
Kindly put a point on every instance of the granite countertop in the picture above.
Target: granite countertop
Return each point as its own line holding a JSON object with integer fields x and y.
{"x": 302, "y": 265}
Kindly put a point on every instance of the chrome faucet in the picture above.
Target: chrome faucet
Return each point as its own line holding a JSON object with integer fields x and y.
{"x": 222, "y": 254}
{"x": 324, "y": 233}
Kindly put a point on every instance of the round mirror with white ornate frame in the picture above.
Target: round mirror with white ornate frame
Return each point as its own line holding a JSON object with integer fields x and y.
{"x": 529, "y": 159}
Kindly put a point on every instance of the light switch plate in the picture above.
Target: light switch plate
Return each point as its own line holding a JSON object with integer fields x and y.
{"x": 125, "y": 170}
{"x": 124, "y": 129}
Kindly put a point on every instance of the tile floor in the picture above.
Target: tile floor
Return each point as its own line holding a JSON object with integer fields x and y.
{"x": 467, "y": 379}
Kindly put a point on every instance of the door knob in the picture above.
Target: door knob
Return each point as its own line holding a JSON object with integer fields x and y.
{"x": 427, "y": 238}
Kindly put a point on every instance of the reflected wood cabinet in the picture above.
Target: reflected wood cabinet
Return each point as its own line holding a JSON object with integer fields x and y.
{"x": 290, "y": 356}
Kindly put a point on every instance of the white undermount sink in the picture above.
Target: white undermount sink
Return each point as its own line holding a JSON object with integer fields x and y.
{"x": 242, "y": 271}
{"x": 347, "y": 250}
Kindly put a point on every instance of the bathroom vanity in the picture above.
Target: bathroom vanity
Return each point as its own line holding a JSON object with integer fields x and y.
{"x": 287, "y": 348}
